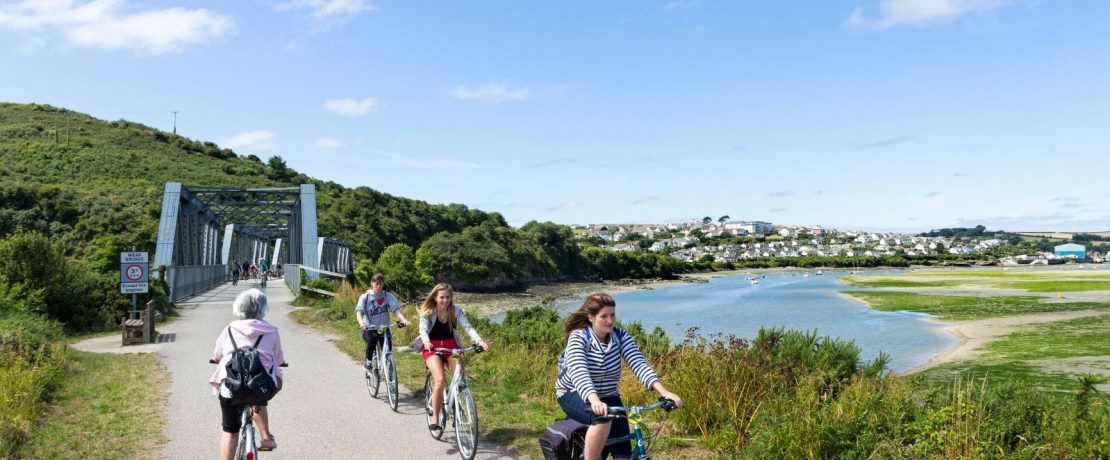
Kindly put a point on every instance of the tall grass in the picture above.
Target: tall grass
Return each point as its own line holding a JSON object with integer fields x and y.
{"x": 31, "y": 359}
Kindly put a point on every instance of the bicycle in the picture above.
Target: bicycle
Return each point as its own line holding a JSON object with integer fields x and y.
{"x": 246, "y": 448}
{"x": 458, "y": 400}
{"x": 262, "y": 279}
{"x": 634, "y": 414}
{"x": 383, "y": 363}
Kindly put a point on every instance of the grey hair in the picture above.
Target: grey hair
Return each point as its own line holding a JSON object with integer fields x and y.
{"x": 250, "y": 304}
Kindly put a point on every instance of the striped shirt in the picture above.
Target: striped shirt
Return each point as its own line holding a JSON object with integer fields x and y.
{"x": 589, "y": 366}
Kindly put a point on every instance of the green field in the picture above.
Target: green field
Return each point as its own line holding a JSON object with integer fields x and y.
{"x": 1055, "y": 280}
{"x": 968, "y": 307}
{"x": 1049, "y": 355}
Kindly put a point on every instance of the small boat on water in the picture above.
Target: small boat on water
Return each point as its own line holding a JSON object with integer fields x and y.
{"x": 819, "y": 272}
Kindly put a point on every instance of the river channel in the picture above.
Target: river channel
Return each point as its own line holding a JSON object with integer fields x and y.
{"x": 733, "y": 305}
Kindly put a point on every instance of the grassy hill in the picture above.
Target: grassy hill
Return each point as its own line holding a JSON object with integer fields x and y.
{"x": 96, "y": 185}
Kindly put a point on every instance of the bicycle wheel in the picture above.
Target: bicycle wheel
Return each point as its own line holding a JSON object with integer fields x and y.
{"x": 429, "y": 386}
{"x": 466, "y": 424}
{"x": 391, "y": 382}
{"x": 373, "y": 375}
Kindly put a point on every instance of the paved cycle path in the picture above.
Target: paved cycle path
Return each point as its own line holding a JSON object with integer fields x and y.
{"x": 324, "y": 410}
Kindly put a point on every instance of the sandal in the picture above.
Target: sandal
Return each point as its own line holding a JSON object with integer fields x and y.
{"x": 434, "y": 427}
{"x": 268, "y": 446}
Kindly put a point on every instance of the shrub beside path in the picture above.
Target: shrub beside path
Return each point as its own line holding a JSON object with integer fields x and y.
{"x": 324, "y": 411}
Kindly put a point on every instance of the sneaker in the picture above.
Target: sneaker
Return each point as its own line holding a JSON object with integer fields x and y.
{"x": 368, "y": 364}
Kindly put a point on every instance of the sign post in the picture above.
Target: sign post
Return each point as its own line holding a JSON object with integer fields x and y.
{"x": 133, "y": 271}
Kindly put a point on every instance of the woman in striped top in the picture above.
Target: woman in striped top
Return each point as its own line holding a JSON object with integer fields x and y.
{"x": 590, "y": 370}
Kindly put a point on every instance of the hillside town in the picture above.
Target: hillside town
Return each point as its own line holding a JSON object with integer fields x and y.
{"x": 733, "y": 241}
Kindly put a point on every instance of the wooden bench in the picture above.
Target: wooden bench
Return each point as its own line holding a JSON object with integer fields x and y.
{"x": 138, "y": 326}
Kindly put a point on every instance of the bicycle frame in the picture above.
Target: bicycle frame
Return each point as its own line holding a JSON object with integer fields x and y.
{"x": 246, "y": 448}
{"x": 458, "y": 380}
{"x": 634, "y": 414}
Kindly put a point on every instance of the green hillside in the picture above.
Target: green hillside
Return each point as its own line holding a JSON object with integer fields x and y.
{"x": 96, "y": 186}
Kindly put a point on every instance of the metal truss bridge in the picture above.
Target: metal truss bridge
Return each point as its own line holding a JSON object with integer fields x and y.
{"x": 203, "y": 230}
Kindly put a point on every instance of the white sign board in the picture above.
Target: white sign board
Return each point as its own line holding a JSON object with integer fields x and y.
{"x": 133, "y": 288}
{"x": 133, "y": 257}
{"x": 133, "y": 273}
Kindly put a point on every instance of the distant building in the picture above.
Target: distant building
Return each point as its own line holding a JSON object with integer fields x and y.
{"x": 1077, "y": 251}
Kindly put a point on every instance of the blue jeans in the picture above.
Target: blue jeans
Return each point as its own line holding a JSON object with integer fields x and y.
{"x": 579, "y": 410}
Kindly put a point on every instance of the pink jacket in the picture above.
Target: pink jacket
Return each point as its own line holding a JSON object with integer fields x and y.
{"x": 246, "y": 332}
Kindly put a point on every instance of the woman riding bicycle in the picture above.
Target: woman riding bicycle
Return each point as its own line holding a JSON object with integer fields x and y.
{"x": 590, "y": 370}
{"x": 250, "y": 306}
{"x": 439, "y": 320}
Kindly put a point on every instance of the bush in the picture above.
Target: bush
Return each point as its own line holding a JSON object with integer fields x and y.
{"x": 23, "y": 335}
{"x": 532, "y": 327}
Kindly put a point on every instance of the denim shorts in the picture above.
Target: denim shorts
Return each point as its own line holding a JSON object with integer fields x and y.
{"x": 579, "y": 410}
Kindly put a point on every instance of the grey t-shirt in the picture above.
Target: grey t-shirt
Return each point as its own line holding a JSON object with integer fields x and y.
{"x": 375, "y": 309}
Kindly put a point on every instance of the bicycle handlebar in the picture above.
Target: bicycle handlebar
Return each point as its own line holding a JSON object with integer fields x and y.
{"x": 398, "y": 325}
{"x": 458, "y": 351}
{"x": 622, "y": 411}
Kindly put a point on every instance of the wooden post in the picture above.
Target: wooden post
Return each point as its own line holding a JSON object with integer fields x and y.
{"x": 148, "y": 323}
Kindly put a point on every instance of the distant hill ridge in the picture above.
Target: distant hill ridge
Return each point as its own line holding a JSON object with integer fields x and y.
{"x": 96, "y": 186}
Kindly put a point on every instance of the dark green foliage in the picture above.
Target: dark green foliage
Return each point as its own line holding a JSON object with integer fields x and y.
{"x": 23, "y": 335}
{"x": 600, "y": 263}
{"x": 69, "y": 293}
{"x": 533, "y": 327}
{"x": 398, "y": 264}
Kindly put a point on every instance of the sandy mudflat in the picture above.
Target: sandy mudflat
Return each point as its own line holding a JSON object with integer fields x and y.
{"x": 974, "y": 334}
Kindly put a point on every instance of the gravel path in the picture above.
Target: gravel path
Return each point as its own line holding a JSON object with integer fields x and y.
{"x": 324, "y": 410}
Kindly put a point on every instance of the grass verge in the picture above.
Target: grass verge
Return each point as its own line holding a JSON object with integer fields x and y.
{"x": 106, "y": 406}
{"x": 968, "y": 307}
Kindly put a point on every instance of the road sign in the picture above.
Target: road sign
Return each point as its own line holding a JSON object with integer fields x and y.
{"x": 133, "y": 273}
{"x": 133, "y": 288}
{"x": 133, "y": 257}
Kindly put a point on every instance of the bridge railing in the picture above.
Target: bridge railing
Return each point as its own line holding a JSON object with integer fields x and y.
{"x": 187, "y": 280}
{"x": 293, "y": 278}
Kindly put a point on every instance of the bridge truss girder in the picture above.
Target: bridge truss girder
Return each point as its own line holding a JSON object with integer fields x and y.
{"x": 210, "y": 226}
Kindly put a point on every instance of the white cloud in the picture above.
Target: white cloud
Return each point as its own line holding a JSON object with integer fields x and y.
{"x": 918, "y": 12}
{"x": 109, "y": 24}
{"x": 491, "y": 92}
{"x": 250, "y": 140}
{"x": 327, "y": 143}
{"x": 351, "y": 107}
{"x": 425, "y": 163}
{"x": 326, "y": 13}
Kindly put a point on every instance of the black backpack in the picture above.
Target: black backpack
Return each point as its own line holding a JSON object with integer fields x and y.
{"x": 557, "y": 442}
{"x": 247, "y": 379}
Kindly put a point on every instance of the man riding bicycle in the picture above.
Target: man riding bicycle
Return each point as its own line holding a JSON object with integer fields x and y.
{"x": 373, "y": 309}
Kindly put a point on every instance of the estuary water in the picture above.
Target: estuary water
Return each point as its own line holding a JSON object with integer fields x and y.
{"x": 732, "y": 305}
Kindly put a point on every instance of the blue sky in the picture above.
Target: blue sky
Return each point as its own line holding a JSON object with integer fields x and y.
{"x": 873, "y": 114}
